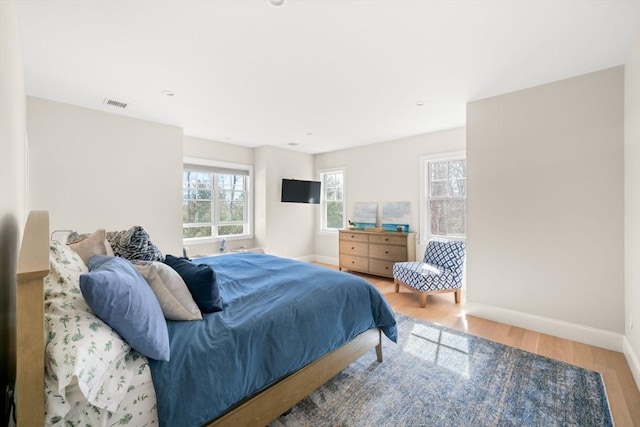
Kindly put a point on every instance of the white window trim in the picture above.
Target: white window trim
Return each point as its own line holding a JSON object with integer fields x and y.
{"x": 425, "y": 217}
{"x": 323, "y": 210}
{"x": 248, "y": 203}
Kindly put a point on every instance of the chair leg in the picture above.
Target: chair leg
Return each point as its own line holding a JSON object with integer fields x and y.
{"x": 397, "y": 285}
{"x": 423, "y": 299}
{"x": 456, "y": 296}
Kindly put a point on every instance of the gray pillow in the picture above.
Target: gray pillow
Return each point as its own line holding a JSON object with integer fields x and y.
{"x": 170, "y": 290}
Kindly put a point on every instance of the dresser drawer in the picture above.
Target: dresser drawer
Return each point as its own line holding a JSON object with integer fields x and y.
{"x": 381, "y": 268}
{"x": 374, "y": 252}
{"x": 388, "y": 253}
{"x": 354, "y": 262}
{"x": 389, "y": 240}
{"x": 354, "y": 237}
{"x": 354, "y": 248}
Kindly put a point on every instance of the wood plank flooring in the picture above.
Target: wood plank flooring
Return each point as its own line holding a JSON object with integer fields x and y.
{"x": 624, "y": 396}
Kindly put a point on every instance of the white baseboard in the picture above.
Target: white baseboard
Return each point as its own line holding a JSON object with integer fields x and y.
{"x": 559, "y": 328}
{"x": 632, "y": 360}
{"x": 306, "y": 258}
{"x": 326, "y": 260}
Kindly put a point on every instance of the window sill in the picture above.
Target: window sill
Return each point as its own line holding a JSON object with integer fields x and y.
{"x": 424, "y": 242}
{"x": 232, "y": 251}
{"x": 328, "y": 233}
{"x": 209, "y": 240}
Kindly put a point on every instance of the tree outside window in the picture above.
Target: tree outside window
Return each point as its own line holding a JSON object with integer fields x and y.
{"x": 214, "y": 204}
{"x": 333, "y": 205}
{"x": 197, "y": 192}
{"x": 446, "y": 191}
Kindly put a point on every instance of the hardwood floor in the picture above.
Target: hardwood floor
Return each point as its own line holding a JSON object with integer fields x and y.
{"x": 624, "y": 396}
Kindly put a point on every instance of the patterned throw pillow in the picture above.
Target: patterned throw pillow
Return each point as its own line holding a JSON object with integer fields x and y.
{"x": 134, "y": 244}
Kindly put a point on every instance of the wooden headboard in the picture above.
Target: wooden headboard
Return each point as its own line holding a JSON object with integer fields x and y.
{"x": 33, "y": 267}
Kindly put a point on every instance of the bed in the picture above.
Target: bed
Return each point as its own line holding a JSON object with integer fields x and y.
{"x": 273, "y": 307}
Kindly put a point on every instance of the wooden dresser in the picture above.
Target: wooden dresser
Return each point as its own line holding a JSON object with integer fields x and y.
{"x": 375, "y": 252}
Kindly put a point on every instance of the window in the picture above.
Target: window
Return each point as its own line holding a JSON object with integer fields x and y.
{"x": 333, "y": 204}
{"x": 216, "y": 200}
{"x": 443, "y": 204}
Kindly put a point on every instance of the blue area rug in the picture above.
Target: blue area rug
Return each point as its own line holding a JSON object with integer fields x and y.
{"x": 436, "y": 376}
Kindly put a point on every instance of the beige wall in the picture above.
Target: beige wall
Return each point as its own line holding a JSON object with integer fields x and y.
{"x": 214, "y": 150}
{"x": 93, "y": 170}
{"x": 283, "y": 229}
{"x": 221, "y": 152}
{"x": 632, "y": 210}
{"x": 545, "y": 208}
{"x": 12, "y": 120}
{"x": 12, "y": 187}
{"x": 384, "y": 172}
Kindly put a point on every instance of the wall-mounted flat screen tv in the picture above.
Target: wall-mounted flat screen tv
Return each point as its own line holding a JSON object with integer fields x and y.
{"x": 299, "y": 191}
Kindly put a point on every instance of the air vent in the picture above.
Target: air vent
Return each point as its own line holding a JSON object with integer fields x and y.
{"x": 115, "y": 103}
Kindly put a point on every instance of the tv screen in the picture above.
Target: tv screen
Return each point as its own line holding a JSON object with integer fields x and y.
{"x": 298, "y": 191}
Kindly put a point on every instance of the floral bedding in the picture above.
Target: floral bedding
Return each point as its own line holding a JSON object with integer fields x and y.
{"x": 92, "y": 376}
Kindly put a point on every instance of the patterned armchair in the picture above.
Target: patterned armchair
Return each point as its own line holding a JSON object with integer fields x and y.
{"x": 440, "y": 271}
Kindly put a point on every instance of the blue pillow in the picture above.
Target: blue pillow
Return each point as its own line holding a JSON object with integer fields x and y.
{"x": 201, "y": 281}
{"x": 118, "y": 294}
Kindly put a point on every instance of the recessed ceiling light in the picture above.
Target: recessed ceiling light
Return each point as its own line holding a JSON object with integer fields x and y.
{"x": 419, "y": 103}
{"x": 276, "y": 3}
{"x": 309, "y": 133}
{"x": 168, "y": 93}
{"x": 293, "y": 144}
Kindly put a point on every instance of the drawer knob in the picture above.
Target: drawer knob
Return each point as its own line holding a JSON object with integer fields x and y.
{"x": 353, "y": 262}
{"x": 386, "y": 268}
{"x": 353, "y": 247}
{"x": 386, "y": 252}
{"x": 386, "y": 240}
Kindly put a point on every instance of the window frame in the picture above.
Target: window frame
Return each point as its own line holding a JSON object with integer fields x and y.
{"x": 324, "y": 202}
{"x": 215, "y": 200}
{"x": 425, "y": 213}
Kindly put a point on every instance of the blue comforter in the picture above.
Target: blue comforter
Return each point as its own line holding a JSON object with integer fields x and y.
{"x": 279, "y": 315}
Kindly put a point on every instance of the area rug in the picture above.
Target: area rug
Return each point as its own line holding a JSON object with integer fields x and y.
{"x": 437, "y": 376}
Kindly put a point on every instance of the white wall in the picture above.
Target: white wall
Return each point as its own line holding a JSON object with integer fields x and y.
{"x": 632, "y": 210}
{"x": 283, "y": 229}
{"x": 93, "y": 170}
{"x": 545, "y": 208}
{"x": 222, "y": 152}
{"x": 12, "y": 188}
{"x": 384, "y": 172}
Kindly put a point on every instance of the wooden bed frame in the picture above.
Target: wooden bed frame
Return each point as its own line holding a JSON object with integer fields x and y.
{"x": 258, "y": 410}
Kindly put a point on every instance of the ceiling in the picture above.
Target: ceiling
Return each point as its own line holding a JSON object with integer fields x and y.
{"x": 325, "y": 75}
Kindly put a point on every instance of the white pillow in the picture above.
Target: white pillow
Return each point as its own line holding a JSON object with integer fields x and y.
{"x": 80, "y": 347}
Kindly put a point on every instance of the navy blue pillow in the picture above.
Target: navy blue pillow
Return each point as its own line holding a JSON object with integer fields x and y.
{"x": 119, "y": 295}
{"x": 201, "y": 281}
